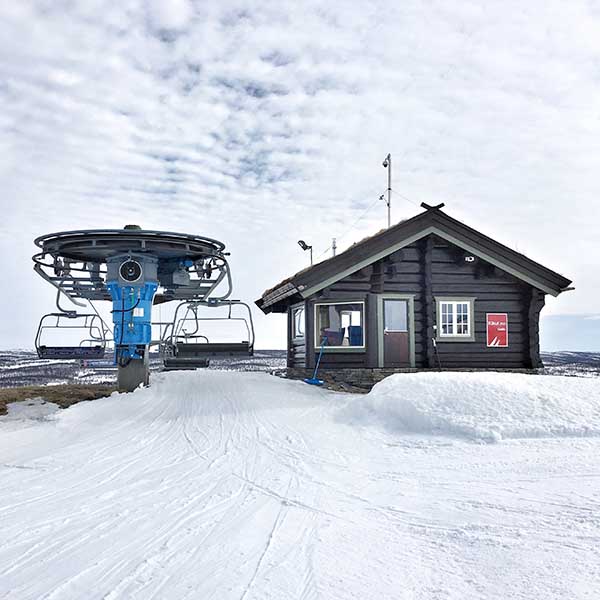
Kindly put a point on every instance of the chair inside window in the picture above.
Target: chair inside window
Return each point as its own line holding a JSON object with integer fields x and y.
{"x": 355, "y": 335}
{"x": 334, "y": 337}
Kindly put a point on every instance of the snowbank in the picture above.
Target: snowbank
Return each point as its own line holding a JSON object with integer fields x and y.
{"x": 483, "y": 406}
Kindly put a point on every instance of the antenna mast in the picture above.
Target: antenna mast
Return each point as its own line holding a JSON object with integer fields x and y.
{"x": 387, "y": 163}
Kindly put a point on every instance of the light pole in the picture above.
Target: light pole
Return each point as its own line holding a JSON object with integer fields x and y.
{"x": 387, "y": 164}
{"x": 305, "y": 247}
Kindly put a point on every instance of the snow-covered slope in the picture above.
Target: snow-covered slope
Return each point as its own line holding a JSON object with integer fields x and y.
{"x": 487, "y": 406}
{"x": 220, "y": 485}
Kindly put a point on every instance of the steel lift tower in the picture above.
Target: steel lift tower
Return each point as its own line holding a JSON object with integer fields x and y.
{"x": 136, "y": 269}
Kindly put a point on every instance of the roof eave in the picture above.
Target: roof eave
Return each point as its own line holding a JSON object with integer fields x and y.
{"x": 434, "y": 221}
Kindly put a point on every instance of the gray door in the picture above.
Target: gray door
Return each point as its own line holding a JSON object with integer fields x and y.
{"x": 396, "y": 344}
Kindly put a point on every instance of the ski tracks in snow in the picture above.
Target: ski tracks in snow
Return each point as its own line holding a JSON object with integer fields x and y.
{"x": 220, "y": 485}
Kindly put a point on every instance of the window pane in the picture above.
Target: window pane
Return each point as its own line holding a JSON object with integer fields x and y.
{"x": 462, "y": 318}
{"x": 395, "y": 315}
{"x": 298, "y": 323}
{"x": 447, "y": 310}
{"x": 340, "y": 324}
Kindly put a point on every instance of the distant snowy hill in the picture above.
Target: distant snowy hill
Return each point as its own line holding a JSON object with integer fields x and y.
{"x": 21, "y": 367}
{"x": 579, "y": 364}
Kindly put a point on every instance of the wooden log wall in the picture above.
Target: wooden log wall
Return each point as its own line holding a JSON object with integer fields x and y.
{"x": 428, "y": 268}
{"x": 494, "y": 291}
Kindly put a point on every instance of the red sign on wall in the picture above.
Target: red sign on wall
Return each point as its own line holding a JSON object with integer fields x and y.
{"x": 497, "y": 330}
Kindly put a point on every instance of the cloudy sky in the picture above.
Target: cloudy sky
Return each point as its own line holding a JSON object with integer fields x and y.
{"x": 261, "y": 123}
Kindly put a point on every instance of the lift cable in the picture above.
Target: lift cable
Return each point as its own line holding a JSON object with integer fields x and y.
{"x": 362, "y": 215}
{"x": 359, "y": 218}
{"x": 405, "y": 198}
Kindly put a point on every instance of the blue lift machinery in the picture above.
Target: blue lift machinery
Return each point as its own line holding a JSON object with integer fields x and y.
{"x": 136, "y": 269}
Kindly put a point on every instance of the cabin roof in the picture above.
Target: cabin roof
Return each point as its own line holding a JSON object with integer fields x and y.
{"x": 368, "y": 250}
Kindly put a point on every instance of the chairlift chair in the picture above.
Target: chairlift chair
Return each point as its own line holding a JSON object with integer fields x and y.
{"x": 91, "y": 347}
{"x": 187, "y": 350}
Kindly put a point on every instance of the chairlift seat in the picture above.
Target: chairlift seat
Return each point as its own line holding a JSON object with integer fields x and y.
{"x": 185, "y": 364}
{"x": 71, "y": 352}
{"x": 193, "y": 350}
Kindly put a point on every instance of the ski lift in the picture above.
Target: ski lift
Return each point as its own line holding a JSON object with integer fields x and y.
{"x": 135, "y": 269}
{"x": 186, "y": 347}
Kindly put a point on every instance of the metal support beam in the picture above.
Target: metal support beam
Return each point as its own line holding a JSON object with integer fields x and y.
{"x": 133, "y": 374}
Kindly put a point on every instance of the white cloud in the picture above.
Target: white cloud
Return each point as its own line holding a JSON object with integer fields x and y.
{"x": 169, "y": 15}
{"x": 263, "y": 124}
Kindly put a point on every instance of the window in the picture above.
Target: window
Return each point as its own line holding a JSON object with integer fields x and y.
{"x": 341, "y": 325}
{"x": 298, "y": 322}
{"x": 455, "y": 319}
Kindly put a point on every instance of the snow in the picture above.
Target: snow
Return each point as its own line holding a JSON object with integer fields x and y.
{"x": 483, "y": 406}
{"x": 244, "y": 486}
{"x": 26, "y": 413}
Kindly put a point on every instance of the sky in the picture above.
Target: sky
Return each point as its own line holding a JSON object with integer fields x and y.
{"x": 262, "y": 123}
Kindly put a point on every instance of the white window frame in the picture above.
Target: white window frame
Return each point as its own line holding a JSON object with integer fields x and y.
{"x": 456, "y": 337}
{"x": 326, "y": 348}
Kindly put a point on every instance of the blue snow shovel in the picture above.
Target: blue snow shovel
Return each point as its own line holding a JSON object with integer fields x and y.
{"x": 314, "y": 380}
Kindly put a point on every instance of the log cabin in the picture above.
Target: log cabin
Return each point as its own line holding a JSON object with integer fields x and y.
{"x": 427, "y": 293}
